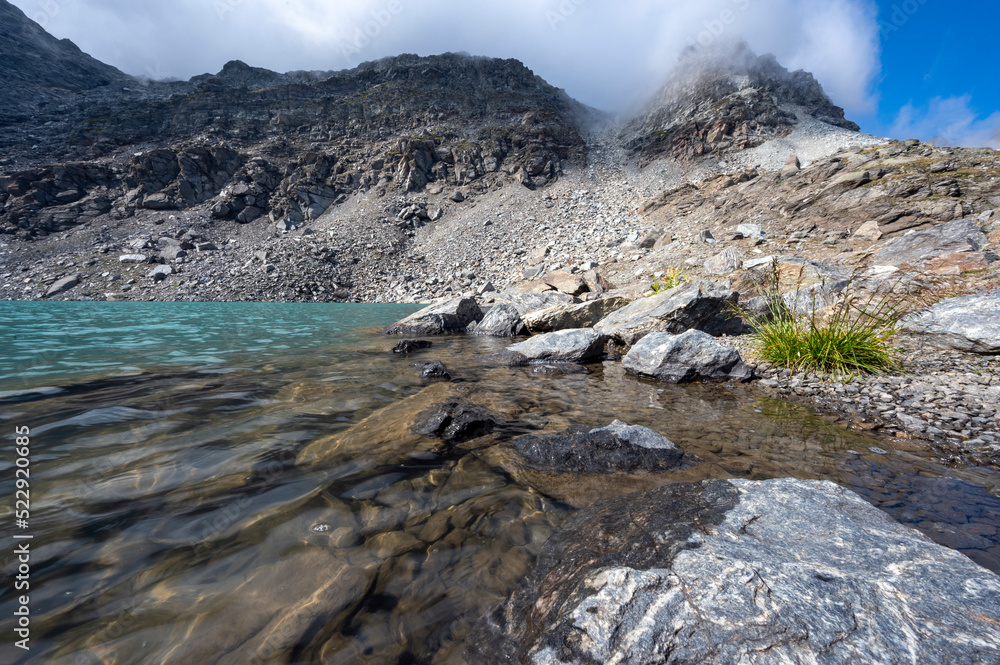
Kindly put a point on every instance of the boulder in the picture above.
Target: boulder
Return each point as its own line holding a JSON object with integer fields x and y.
{"x": 750, "y": 231}
{"x": 696, "y": 305}
{"x": 582, "y": 315}
{"x": 526, "y": 303}
{"x": 564, "y": 282}
{"x": 451, "y": 316}
{"x": 791, "y": 167}
{"x": 969, "y": 323}
{"x": 501, "y": 321}
{"x": 62, "y": 286}
{"x": 953, "y": 246}
{"x": 573, "y": 345}
{"x": 160, "y": 273}
{"x": 740, "y": 571}
{"x": 133, "y": 258}
{"x": 172, "y": 253}
{"x": 723, "y": 263}
{"x": 690, "y": 356}
{"x": 617, "y": 448}
{"x": 869, "y": 231}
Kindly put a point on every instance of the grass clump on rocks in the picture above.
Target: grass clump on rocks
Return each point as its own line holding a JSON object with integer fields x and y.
{"x": 855, "y": 335}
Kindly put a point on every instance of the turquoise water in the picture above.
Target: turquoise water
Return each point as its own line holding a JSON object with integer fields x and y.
{"x": 45, "y": 344}
{"x": 239, "y": 483}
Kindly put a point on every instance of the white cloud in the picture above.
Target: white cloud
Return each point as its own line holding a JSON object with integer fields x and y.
{"x": 949, "y": 121}
{"x": 604, "y": 53}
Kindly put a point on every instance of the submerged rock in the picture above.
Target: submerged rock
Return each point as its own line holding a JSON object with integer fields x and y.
{"x": 452, "y": 316}
{"x": 696, "y": 305}
{"x": 970, "y": 323}
{"x": 691, "y": 356}
{"x": 501, "y": 321}
{"x": 574, "y": 345}
{"x": 619, "y": 447}
{"x": 434, "y": 370}
{"x": 411, "y": 346}
{"x": 738, "y": 571}
{"x": 456, "y": 422}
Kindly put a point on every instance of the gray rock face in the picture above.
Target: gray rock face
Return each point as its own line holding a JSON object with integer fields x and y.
{"x": 451, "y": 316}
{"x": 723, "y": 572}
{"x": 695, "y": 305}
{"x": 920, "y": 247}
{"x": 690, "y": 356}
{"x": 619, "y": 447}
{"x": 501, "y": 321}
{"x": 970, "y": 323}
{"x": 526, "y": 303}
{"x": 574, "y": 345}
{"x": 62, "y": 286}
{"x": 582, "y": 315}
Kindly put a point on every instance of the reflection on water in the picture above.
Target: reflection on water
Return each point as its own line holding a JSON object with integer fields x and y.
{"x": 282, "y": 511}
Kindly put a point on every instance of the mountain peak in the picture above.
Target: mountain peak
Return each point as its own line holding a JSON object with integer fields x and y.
{"x": 40, "y": 69}
{"x": 725, "y": 98}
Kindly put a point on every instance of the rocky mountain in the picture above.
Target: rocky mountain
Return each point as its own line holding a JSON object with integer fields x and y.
{"x": 724, "y": 99}
{"x": 40, "y": 71}
{"x": 412, "y": 178}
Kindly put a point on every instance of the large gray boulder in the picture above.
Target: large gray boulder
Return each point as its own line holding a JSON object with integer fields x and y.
{"x": 62, "y": 286}
{"x": 574, "y": 345}
{"x": 969, "y": 323}
{"x": 696, "y": 305}
{"x": 451, "y": 316}
{"x": 726, "y": 572}
{"x": 501, "y": 321}
{"x": 690, "y": 356}
{"x": 526, "y": 303}
{"x": 952, "y": 245}
{"x": 580, "y": 315}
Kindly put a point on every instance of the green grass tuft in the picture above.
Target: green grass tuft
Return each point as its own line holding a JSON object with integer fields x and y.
{"x": 855, "y": 336}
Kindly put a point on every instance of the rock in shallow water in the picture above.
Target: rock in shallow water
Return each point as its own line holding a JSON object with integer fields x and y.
{"x": 970, "y": 323}
{"x": 574, "y": 345}
{"x": 691, "y": 356}
{"x": 411, "y": 346}
{"x": 452, "y": 316}
{"x": 501, "y": 321}
{"x": 736, "y": 571}
{"x": 434, "y": 370}
{"x": 619, "y": 447}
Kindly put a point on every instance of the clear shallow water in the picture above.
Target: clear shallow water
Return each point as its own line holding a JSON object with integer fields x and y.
{"x": 252, "y": 492}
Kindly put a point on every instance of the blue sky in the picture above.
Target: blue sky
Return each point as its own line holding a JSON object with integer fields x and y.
{"x": 939, "y": 65}
{"x": 901, "y": 68}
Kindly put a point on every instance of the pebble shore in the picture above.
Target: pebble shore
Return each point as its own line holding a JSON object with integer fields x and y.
{"x": 948, "y": 398}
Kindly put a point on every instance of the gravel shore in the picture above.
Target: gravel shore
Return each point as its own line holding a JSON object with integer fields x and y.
{"x": 948, "y": 398}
